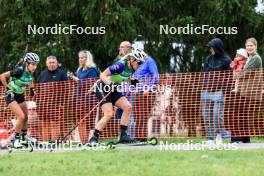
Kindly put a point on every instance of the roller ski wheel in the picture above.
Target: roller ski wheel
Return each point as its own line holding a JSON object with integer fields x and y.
{"x": 111, "y": 145}
{"x": 151, "y": 141}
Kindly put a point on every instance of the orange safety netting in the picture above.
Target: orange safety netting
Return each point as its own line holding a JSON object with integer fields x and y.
{"x": 185, "y": 105}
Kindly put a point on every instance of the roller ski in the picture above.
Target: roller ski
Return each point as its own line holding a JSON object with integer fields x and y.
{"x": 127, "y": 141}
{"x": 24, "y": 142}
{"x": 19, "y": 145}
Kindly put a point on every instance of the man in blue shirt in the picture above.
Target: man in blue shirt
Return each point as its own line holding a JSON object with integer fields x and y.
{"x": 52, "y": 73}
{"x": 146, "y": 74}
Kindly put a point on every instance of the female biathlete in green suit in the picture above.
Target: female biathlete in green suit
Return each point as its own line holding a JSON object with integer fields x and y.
{"x": 14, "y": 82}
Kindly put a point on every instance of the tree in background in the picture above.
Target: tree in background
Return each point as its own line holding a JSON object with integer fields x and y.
{"x": 125, "y": 20}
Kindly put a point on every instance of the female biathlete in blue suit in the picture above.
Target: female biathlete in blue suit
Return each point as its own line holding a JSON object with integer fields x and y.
{"x": 112, "y": 76}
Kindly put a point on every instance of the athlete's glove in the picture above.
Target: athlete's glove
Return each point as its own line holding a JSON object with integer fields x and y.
{"x": 134, "y": 81}
{"x": 70, "y": 74}
{"x": 9, "y": 93}
{"x": 32, "y": 92}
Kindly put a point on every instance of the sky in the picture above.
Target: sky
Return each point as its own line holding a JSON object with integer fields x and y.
{"x": 260, "y": 6}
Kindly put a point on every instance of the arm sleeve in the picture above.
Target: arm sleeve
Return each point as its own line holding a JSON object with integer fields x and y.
{"x": 255, "y": 63}
{"x": 117, "y": 67}
{"x": 153, "y": 69}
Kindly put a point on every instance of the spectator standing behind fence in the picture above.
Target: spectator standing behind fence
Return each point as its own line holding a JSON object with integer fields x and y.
{"x": 52, "y": 73}
{"x": 148, "y": 72}
{"x": 87, "y": 67}
{"x": 212, "y": 96}
{"x": 51, "y": 118}
{"x": 250, "y": 87}
{"x": 148, "y": 75}
{"x": 238, "y": 64}
{"x": 86, "y": 71}
{"x": 162, "y": 102}
{"x": 33, "y": 121}
{"x": 124, "y": 48}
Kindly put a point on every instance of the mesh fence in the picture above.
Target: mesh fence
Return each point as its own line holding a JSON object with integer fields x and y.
{"x": 181, "y": 105}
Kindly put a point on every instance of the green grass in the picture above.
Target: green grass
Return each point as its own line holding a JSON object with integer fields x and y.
{"x": 147, "y": 162}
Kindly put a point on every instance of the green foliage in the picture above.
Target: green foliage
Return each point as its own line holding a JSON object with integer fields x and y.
{"x": 124, "y": 20}
{"x": 139, "y": 162}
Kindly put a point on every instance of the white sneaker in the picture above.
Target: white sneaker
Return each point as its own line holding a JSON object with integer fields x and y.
{"x": 218, "y": 139}
{"x": 210, "y": 142}
{"x": 17, "y": 144}
{"x": 28, "y": 138}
